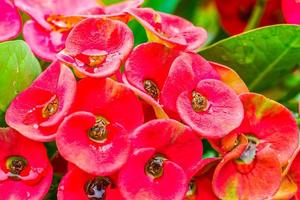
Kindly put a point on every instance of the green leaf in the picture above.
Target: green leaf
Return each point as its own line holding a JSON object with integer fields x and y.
{"x": 18, "y": 68}
{"x": 261, "y": 56}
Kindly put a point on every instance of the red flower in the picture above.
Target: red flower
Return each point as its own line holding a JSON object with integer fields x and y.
{"x": 170, "y": 30}
{"x": 159, "y": 74}
{"x": 47, "y": 32}
{"x": 234, "y": 18}
{"x": 96, "y": 47}
{"x": 211, "y": 108}
{"x": 136, "y": 183}
{"x": 25, "y": 171}
{"x": 175, "y": 141}
{"x": 10, "y": 21}
{"x": 97, "y": 140}
{"x": 37, "y": 112}
{"x": 247, "y": 172}
{"x": 263, "y": 123}
{"x": 290, "y": 9}
{"x": 78, "y": 185}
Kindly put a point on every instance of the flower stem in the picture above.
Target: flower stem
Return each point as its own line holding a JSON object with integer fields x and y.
{"x": 256, "y": 15}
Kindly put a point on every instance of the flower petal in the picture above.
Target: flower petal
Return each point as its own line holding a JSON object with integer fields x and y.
{"x": 96, "y": 47}
{"x": 224, "y": 110}
{"x": 172, "y": 139}
{"x": 24, "y": 114}
{"x": 37, "y": 182}
{"x": 10, "y": 21}
{"x": 135, "y": 184}
{"x": 169, "y": 29}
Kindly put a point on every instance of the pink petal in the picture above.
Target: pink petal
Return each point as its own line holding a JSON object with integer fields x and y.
{"x": 172, "y": 139}
{"x": 44, "y": 43}
{"x": 290, "y": 9}
{"x": 185, "y": 72}
{"x": 38, "y": 183}
{"x": 24, "y": 113}
{"x": 109, "y": 39}
{"x": 10, "y": 21}
{"x": 99, "y": 159}
{"x": 135, "y": 184}
{"x": 111, "y": 100}
{"x": 169, "y": 29}
{"x": 39, "y": 10}
{"x": 224, "y": 112}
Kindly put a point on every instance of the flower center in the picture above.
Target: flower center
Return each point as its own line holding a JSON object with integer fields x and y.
{"x": 151, "y": 89}
{"x": 246, "y": 162}
{"x": 50, "y": 109}
{"x": 154, "y": 167}
{"x": 96, "y": 188}
{"x": 98, "y": 133}
{"x": 192, "y": 188}
{"x": 199, "y": 102}
{"x": 62, "y": 23}
{"x": 16, "y": 164}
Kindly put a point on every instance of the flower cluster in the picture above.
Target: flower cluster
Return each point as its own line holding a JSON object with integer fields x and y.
{"x": 129, "y": 122}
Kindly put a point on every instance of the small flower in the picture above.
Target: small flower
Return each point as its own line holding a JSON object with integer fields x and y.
{"x": 263, "y": 123}
{"x": 10, "y": 21}
{"x": 171, "y": 139}
{"x": 148, "y": 176}
{"x": 247, "y": 172}
{"x": 212, "y": 108}
{"x": 170, "y": 30}
{"x": 37, "y": 111}
{"x": 78, "y": 185}
{"x": 47, "y": 32}
{"x": 25, "y": 171}
{"x": 96, "y": 47}
{"x": 95, "y": 136}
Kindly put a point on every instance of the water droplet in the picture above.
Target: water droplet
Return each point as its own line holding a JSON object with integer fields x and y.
{"x": 36, "y": 126}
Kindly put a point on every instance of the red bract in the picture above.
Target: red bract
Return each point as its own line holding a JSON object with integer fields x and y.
{"x": 290, "y": 9}
{"x": 111, "y": 100}
{"x": 97, "y": 47}
{"x": 47, "y": 32}
{"x": 200, "y": 186}
{"x": 247, "y": 173}
{"x": 97, "y": 140}
{"x": 159, "y": 74}
{"x": 173, "y": 31}
{"x": 234, "y": 18}
{"x": 263, "y": 123}
{"x": 92, "y": 145}
{"x": 211, "y": 108}
{"x": 37, "y": 112}
{"x": 78, "y": 185}
{"x": 173, "y": 140}
{"x": 135, "y": 183}
{"x": 25, "y": 171}
{"x": 10, "y": 21}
